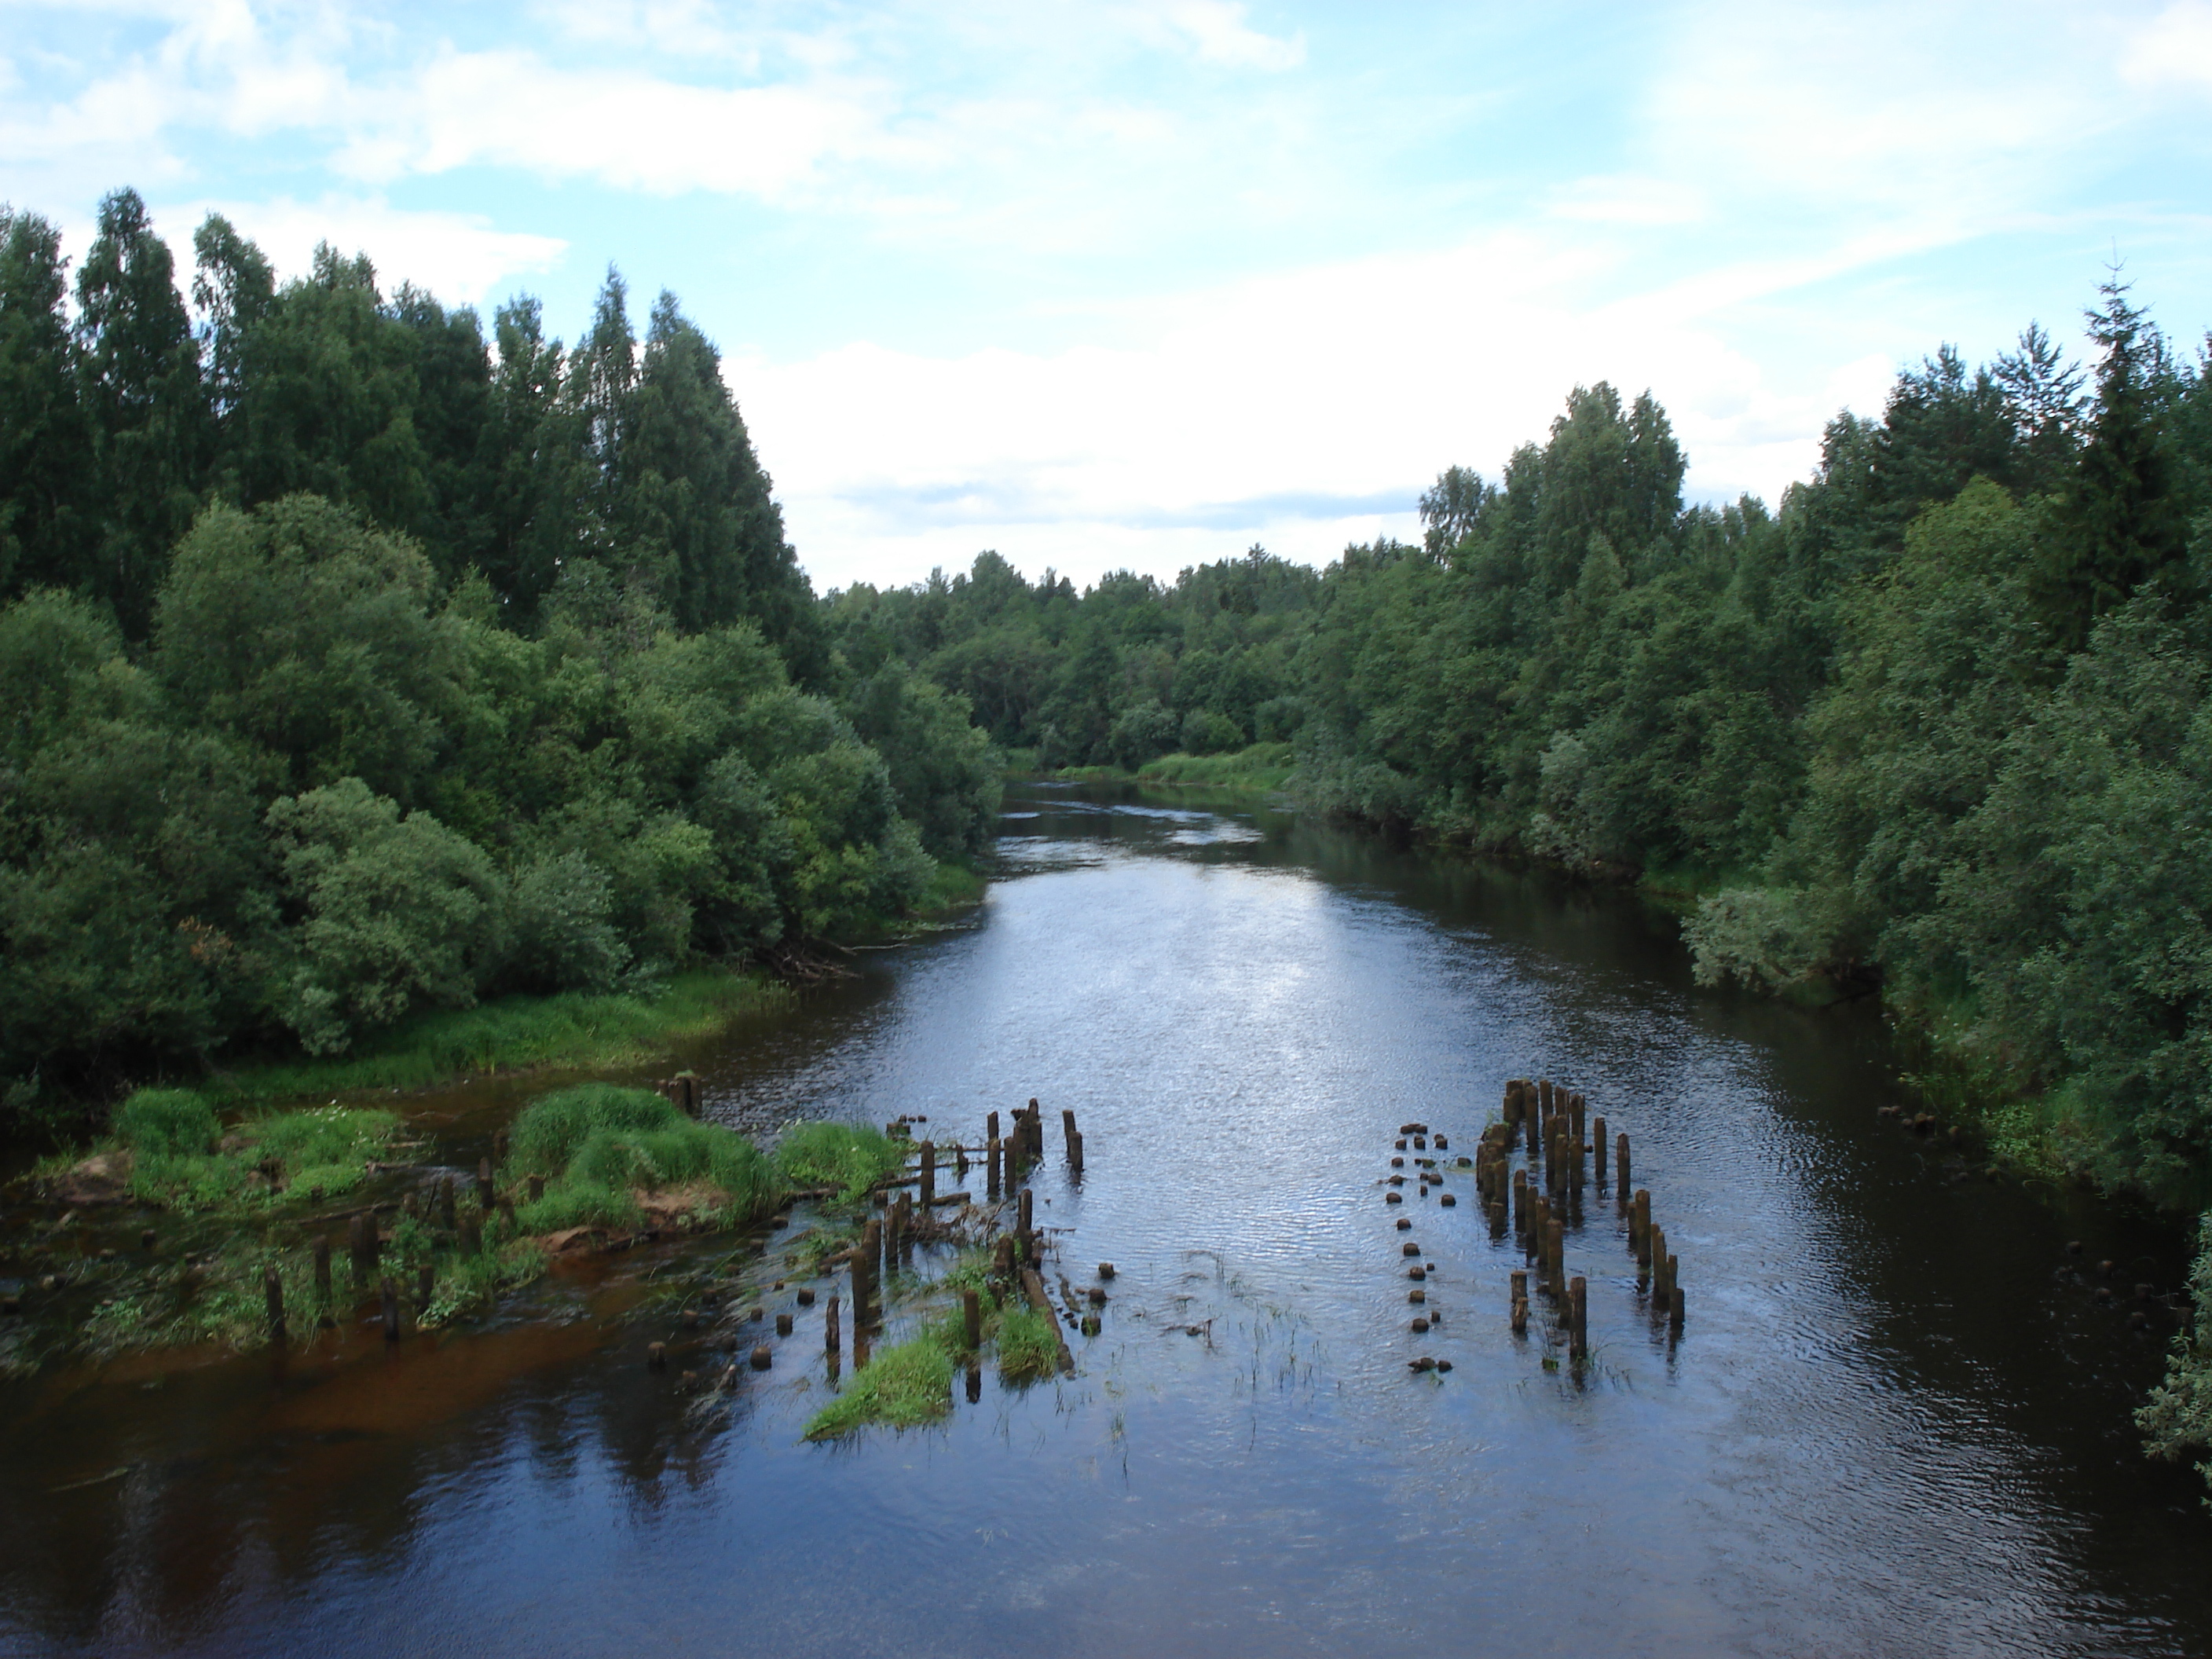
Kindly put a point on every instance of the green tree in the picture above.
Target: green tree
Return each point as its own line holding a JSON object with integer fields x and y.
{"x": 139, "y": 370}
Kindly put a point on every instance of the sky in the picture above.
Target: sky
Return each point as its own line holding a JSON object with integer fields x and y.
{"x": 1139, "y": 283}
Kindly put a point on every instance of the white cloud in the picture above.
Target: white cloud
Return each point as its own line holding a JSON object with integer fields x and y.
{"x": 459, "y": 257}
{"x": 1628, "y": 199}
{"x": 1301, "y": 411}
{"x": 509, "y": 108}
{"x": 2174, "y": 48}
{"x": 1217, "y": 32}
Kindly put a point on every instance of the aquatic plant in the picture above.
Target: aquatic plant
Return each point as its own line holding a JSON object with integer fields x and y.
{"x": 1027, "y": 1350}
{"x": 608, "y": 1154}
{"x": 903, "y": 1387}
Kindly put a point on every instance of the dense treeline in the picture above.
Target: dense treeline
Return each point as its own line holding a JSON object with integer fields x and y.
{"x": 352, "y": 663}
{"x": 1931, "y": 725}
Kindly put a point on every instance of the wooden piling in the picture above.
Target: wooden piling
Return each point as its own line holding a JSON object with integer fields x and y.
{"x": 1639, "y": 1225}
{"x": 1543, "y": 1096}
{"x": 1517, "y": 1309}
{"x": 1578, "y": 1317}
{"x": 1655, "y": 1242}
{"x": 1674, "y": 1301}
{"x": 783, "y": 1324}
{"x": 864, "y": 1277}
{"x": 928, "y": 1173}
{"x": 991, "y": 1168}
{"x": 971, "y": 1320}
{"x": 1575, "y": 1109}
{"x": 830, "y": 1341}
{"x": 1597, "y": 1153}
{"x": 1067, "y": 1126}
{"x": 1520, "y": 1204}
{"x": 1621, "y": 1162}
{"x": 1023, "y": 1230}
{"x": 322, "y": 1271}
{"x": 1075, "y": 1150}
{"x": 391, "y": 1309}
{"x": 272, "y": 1291}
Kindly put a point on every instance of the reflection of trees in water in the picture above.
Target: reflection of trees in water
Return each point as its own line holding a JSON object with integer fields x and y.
{"x": 161, "y": 1551}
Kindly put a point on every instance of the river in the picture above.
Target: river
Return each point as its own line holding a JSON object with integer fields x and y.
{"x": 1895, "y": 1420}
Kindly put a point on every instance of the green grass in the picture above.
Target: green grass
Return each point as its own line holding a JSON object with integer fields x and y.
{"x": 1027, "y": 1351}
{"x": 573, "y": 1028}
{"x": 181, "y": 1159}
{"x": 851, "y": 1158}
{"x": 903, "y": 1387}
{"x": 1264, "y": 767}
{"x": 599, "y": 1146}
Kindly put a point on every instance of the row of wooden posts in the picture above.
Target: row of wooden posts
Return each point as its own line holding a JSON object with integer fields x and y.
{"x": 888, "y": 1240}
{"x": 1539, "y": 1200}
{"x": 365, "y": 1245}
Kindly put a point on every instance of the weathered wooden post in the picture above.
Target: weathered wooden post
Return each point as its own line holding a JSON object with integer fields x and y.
{"x": 1036, "y": 1129}
{"x": 1520, "y": 1204}
{"x": 991, "y": 1176}
{"x": 1639, "y": 1225}
{"x": 1674, "y": 1299}
{"x": 1543, "y": 1096}
{"x": 1597, "y": 1153}
{"x": 971, "y": 1320}
{"x": 322, "y": 1271}
{"x": 391, "y": 1309}
{"x": 1519, "y": 1306}
{"x": 1655, "y": 1241}
{"x": 830, "y": 1341}
{"x": 1621, "y": 1160}
{"x": 928, "y": 1174}
{"x": 272, "y": 1291}
{"x": 1578, "y": 1317}
{"x": 1021, "y": 1228}
{"x": 1075, "y": 1152}
{"x": 864, "y": 1277}
{"x": 783, "y": 1322}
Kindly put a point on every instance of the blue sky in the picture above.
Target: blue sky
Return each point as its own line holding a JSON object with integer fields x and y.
{"x": 1139, "y": 284}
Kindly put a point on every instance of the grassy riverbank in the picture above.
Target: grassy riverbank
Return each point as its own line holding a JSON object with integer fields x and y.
{"x": 1260, "y": 768}
{"x": 573, "y": 1030}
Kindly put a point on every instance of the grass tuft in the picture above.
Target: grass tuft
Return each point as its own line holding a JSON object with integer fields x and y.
{"x": 903, "y": 1387}
{"x": 851, "y": 1158}
{"x": 599, "y": 1146}
{"x": 1027, "y": 1352}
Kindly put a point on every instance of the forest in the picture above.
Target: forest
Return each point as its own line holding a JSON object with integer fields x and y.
{"x": 353, "y": 663}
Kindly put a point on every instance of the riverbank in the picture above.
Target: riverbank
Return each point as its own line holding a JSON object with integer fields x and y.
{"x": 1263, "y": 768}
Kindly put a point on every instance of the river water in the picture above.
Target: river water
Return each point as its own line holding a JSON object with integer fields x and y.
{"x": 1896, "y": 1420}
